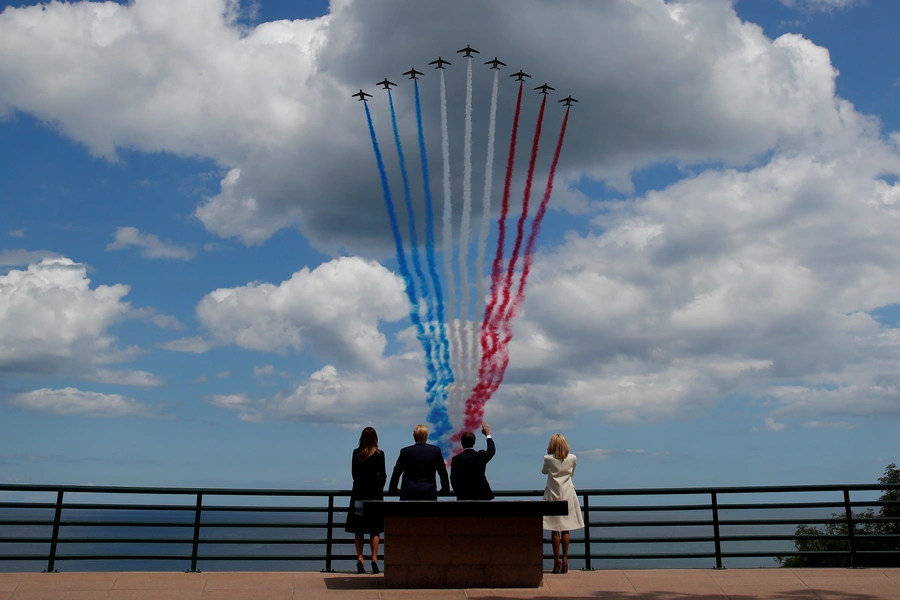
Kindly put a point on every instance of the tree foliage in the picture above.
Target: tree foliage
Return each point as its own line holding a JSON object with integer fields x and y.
{"x": 867, "y": 523}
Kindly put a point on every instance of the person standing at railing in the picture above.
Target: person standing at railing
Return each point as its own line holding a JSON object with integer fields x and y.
{"x": 467, "y": 468}
{"x": 559, "y": 466}
{"x": 418, "y": 464}
{"x": 369, "y": 475}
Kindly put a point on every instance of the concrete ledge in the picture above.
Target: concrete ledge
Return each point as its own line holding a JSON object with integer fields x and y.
{"x": 465, "y": 508}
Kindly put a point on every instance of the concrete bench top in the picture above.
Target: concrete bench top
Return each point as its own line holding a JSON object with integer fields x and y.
{"x": 464, "y": 508}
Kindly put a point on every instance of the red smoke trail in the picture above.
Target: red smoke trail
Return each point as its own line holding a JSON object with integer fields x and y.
{"x": 500, "y": 315}
{"x": 493, "y": 349}
{"x": 488, "y": 339}
{"x": 500, "y": 359}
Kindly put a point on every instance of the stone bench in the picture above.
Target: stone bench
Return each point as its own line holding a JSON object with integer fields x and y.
{"x": 463, "y": 544}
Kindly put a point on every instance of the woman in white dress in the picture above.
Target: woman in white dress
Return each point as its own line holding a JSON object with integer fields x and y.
{"x": 559, "y": 466}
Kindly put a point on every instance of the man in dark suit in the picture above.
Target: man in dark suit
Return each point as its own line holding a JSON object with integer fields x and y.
{"x": 418, "y": 464}
{"x": 467, "y": 468}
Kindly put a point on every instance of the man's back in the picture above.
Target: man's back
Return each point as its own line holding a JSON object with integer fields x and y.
{"x": 418, "y": 464}
{"x": 467, "y": 473}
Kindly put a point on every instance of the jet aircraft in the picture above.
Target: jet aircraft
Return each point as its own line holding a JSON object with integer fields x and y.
{"x": 413, "y": 73}
{"x": 440, "y": 62}
{"x": 568, "y": 100}
{"x": 468, "y": 51}
{"x": 520, "y": 75}
{"x": 494, "y": 63}
{"x": 362, "y": 96}
{"x": 544, "y": 88}
{"x": 387, "y": 84}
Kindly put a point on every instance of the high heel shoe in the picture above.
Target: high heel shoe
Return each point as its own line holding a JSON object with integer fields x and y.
{"x": 565, "y": 567}
{"x": 375, "y": 570}
{"x": 360, "y": 569}
{"x": 556, "y": 566}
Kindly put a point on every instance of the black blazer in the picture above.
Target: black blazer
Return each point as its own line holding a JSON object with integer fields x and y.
{"x": 418, "y": 464}
{"x": 467, "y": 473}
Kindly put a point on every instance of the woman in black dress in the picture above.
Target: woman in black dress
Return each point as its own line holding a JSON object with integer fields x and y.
{"x": 369, "y": 476}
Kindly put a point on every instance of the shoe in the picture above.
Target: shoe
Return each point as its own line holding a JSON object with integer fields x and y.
{"x": 375, "y": 570}
{"x": 360, "y": 569}
{"x": 565, "y": 567}
{"x": 556, "y": 566}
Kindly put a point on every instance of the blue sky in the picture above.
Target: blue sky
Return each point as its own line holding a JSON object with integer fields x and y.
{"x": 197, "y": 280}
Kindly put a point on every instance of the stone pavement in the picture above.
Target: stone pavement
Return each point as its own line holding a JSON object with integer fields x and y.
{"x": 669, "y": 584}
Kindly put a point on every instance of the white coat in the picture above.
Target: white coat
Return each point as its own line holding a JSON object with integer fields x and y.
{"x": 560, "y": 487}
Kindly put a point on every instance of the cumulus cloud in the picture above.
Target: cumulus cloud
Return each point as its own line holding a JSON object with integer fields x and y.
{"x": 51, "y": 320}
{"x": 126, "y": 377}
{"x": 271, "y": 103}
{"x": 194, "y": 345}
{"x": 72, "y": 401}
{"x": 150, "y": 245}
{"x": 20, "y": 258}
{"x": 334, "y": 308}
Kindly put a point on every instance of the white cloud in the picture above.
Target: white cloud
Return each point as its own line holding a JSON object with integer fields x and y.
{"x": 223, "y": 374}
{"x": 126, "y": 377}
{"x": 771, "y": 424}
{"x": 17, "y": 233}
{"x": 821, "y": 5}
{"x": 52, "y": 321}
{"x": 270, "y": 103}
{"x": 19, "y": 258}
{"x": 150, "y": 245}
{"x": 334, "y": 308}
{"x": 71, "y": 401}
{"x": 195, "y": 345}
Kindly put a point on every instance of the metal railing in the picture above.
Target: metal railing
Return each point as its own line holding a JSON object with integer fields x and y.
{"x": 192, "y": 525}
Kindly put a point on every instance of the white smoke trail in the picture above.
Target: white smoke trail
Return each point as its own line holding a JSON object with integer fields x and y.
{"x": 453, "y": 403}
{"x": 485, "y": 222}
{"x": 464, "y": 232}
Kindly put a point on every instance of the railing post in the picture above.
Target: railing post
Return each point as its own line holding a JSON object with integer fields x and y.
{"x": 329, "y": 537}
{"x": 587, "y": 534}
{"x": 196, "y": 545}
{"x": 850, "y": 527}
{"x": 716, "y": 536}
{"x": 54, "y": 537}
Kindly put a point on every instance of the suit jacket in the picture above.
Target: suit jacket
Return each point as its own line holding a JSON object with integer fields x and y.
{"x": 467, "y": 473}
{"x": 418, "y": 464}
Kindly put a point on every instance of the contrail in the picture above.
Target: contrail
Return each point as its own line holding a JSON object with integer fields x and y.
{"x": 477, "y": 397}
{"x": 438, "y": 416}
{"x": 486, "y": 213}
{"x": 502, "y": 360}
{"x": 464, "y": 228}
{"x": 410, "y": 289}
{"x": 456, "y": 401}
{"x": 413, "y": 236}
{"x": 520, "y": 227}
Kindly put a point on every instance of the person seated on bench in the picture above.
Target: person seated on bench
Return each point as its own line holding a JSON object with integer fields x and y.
{"x": 418, "y": 464}
{"x": 467, "y": 468}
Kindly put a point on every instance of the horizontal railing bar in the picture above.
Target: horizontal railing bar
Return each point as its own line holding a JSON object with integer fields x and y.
{"x": 8, "y": 487}
{"x": 47, "y": 505}
{"x": 191, "y": 508}
{"x": 156, "y": 524}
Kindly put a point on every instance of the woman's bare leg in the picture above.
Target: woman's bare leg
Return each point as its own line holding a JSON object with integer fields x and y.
{"x": 374, "y": 543}
{"x": 358, "y": 541}
{"x": 554, "y": 542}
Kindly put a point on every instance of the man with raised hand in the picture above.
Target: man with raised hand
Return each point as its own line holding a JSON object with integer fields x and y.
{"x": 467, "y": 469}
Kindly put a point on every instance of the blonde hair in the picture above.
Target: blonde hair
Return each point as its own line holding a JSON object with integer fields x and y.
{"x": 420, "y": 433}
{"x": 558, "y": 446}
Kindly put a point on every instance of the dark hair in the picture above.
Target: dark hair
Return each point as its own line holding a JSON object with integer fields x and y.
{"x": 467, "y": 439}
{"x": 368, "y": 444}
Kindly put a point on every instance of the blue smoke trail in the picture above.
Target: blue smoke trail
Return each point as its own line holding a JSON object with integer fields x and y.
{"x": 443, "y": 425}
{"x": 431, "y": 375}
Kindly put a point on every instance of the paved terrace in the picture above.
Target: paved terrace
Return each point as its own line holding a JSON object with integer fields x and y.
{"x": 670, "y": 584}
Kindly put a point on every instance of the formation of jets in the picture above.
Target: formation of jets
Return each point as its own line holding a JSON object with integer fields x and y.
{"x": 467, "y": 53}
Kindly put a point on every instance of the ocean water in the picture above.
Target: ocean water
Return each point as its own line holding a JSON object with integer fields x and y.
{"x": 296, "y": 530}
